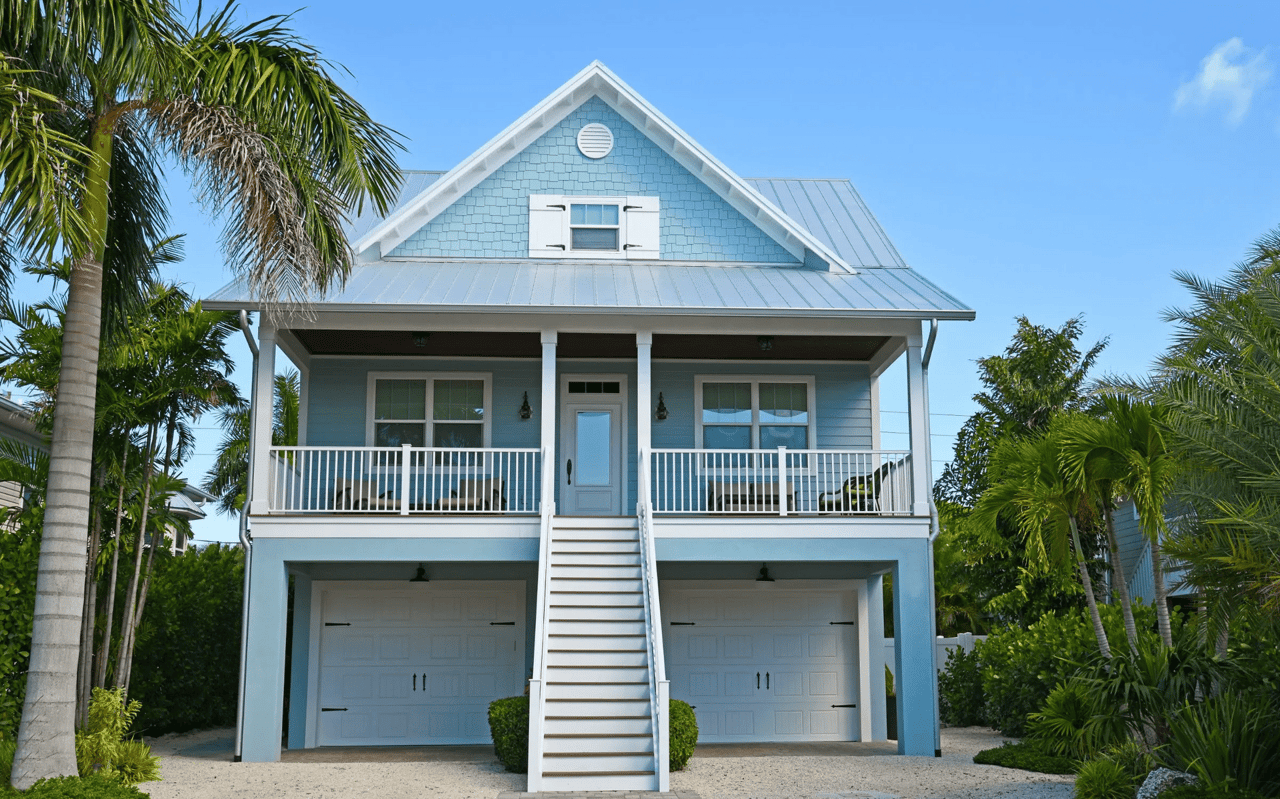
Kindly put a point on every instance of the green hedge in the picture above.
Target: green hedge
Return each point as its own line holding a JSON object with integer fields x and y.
{"x": 19, "y": 553}
{"x": 961, "y": 700}
{"x": 1025, "y": 756}
{"x": 188, "y": 655}
{"x": 509, "y": 726}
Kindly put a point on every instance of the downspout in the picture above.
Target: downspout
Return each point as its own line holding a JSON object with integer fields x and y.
{"x": 245, "y": 541}
{"x": 935, "y": 528}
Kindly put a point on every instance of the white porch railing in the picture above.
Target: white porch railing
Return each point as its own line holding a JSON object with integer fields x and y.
{"x": 659, "y": 686}
{"x": 405, "y": 480}
{"x": 781, "y": 482}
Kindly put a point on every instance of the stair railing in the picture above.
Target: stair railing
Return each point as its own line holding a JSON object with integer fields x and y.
{"x": 537, "y": 681}
{"x": 659, "y": 686}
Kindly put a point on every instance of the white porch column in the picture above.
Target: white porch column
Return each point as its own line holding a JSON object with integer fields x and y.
{"x": 549, "y": 405}
{"x": 260, "y": 436}
{"x": 919, "y": 427}
{"x": 644, "y": 396}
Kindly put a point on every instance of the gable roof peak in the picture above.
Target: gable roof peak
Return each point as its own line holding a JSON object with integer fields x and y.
{"x": 597, "y": 80}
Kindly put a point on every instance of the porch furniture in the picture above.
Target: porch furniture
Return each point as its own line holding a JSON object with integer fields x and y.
{"x": 858, "y": 494}
{"x": 472, "y": 495}
{"x": 749, "y": 497}
{"x": 360, "y": 495}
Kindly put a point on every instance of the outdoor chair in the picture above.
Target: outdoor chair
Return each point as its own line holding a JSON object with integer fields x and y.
{"x": 749, "y": 497}
{"x": 360, "y": 495}
{"x": 472, "y": 495}
{"x": 859, "y": 494}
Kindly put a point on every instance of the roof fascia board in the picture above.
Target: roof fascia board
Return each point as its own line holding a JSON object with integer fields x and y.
{"x": 596, "y": 79}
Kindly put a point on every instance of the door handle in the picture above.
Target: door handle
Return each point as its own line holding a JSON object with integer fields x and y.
{"x": 415, "y": 682}
{"x": 568, "y": 470}
{"x": 757, "y": 681}
{"x": 766, "y": 680}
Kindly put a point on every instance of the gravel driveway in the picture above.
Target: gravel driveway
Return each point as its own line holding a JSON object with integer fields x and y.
{"x": 199, "y": 765}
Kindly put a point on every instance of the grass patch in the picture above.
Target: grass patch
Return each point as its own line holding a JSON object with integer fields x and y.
{"x": 1025, "y": 756}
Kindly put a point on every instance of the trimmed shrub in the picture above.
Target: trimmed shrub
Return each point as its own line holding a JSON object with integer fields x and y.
{"x": 962, "y": 702}
{"x": 509, "y": 726}
{"x": 91, "y": 787}
{"x": 1025, "y": 756}
{"x": 188, "y": 655}
{"x": 682, "y": 734}
{"x": 1104, "y": 779}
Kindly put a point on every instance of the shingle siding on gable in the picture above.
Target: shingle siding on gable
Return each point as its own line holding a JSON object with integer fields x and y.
{"x": 492, "y": 220}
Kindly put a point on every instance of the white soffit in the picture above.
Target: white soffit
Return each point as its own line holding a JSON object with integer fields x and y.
{"x": 598, "y": 81}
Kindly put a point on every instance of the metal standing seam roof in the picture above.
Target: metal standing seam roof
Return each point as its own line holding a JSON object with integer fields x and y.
{"x": 833, "y": 211}
{"x": 647, "y": 287}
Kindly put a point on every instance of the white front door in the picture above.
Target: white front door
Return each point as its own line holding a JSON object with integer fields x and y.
{"x": 415, "y": 664}
{"x": 767, "y": 663}
{"x": 592, "y": 422}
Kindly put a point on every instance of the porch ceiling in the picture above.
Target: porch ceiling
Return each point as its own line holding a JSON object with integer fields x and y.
{"x": 589, "y": 345}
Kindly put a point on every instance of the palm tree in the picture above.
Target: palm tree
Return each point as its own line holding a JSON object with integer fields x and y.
{"x": 272, "y": 142}
{"x": 1031, "y": 484}
{"x": 228, "y": 478}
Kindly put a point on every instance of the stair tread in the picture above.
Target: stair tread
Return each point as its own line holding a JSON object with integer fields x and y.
{"x": 599, "y": 754}
{"x": 595, "y": 699}
{"x": 562, "y": 666}
{"x": 597, "y": 718}
{"x": 597, "y": 773}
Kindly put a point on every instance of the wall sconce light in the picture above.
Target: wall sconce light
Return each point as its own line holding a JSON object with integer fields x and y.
{"x": 661, "y": 413}
{"x": 420, "y": 339}
{"x": 765, "y": 343}
{"x": 421, "y": 576}
{"x": 525, "y": 411}
{"x": 764, "y": 574}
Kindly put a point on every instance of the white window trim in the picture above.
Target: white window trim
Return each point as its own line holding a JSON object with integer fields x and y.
{"x": 646, "y": 230}
{"x": 755, "y": 380}
{"x": 430, "y": 378}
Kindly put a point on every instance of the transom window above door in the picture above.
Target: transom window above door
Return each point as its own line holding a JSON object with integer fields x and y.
{"x": 755, "y": 412}
{"x": 428, "y": 410}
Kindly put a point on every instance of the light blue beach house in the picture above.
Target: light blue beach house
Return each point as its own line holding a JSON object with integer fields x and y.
{"x": 596, "y": 419}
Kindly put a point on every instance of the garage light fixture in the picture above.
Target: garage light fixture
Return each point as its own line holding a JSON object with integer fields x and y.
{"x": 764, "y": 574}
{"x": 421, "y": 576}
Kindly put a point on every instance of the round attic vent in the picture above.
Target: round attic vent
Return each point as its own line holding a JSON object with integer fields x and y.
{"x": 595, "y": 140}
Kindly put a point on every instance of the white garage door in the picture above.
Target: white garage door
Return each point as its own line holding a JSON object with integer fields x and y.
{"x": 416, "y": 664}
{"x": 766, "y": 663}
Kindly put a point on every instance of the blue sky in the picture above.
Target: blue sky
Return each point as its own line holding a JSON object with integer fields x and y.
{"x": 1047, "y": 160}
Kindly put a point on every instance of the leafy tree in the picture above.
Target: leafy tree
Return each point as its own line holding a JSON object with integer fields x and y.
{"x": 1040, "y": 375}
{"x": 273, "y": 143}
{"x": 229, "y": 476}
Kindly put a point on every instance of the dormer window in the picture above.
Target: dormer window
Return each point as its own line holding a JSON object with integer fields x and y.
{"x": 593, "y": 227}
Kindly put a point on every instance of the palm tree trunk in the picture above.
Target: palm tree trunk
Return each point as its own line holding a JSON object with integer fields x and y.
{"x": 46, "y": 744}
{"x": 104, "y": 651}
{"x": 1089, "y": 598}
{"x": 84, "y": 679}
{"x": 1121, "y": 586}
{"x": 131, "y": 593}
{"x": 1162, "y": 593}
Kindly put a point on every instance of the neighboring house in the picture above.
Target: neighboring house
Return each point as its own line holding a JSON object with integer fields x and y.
{"x": 619, "y": 407}
{"x": 16, "y": 425}
{"x": 187, "y": 504}
{"x": 1135, "y": 559}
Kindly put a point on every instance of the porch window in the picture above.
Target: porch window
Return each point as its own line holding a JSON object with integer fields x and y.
{"x": 755, "y": 413}
{"x": 445, "y": 410}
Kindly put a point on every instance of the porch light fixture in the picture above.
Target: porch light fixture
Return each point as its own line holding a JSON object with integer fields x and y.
{"x": 765, "y": 342}
{"x": 764, "y": 574}
{"x": 525, "y": 411}
{"x": 661, "y": 413}
{"x": 421, "y": 576}
{"x": 420, "y": 339}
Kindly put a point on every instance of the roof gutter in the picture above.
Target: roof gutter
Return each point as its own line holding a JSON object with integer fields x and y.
{"x": 245, "y": 540}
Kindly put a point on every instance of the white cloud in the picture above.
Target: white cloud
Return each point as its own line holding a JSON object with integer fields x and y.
{"x": 1229, "y": 76}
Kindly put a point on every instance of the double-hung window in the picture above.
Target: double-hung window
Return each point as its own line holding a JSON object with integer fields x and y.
{"x": 755, "y": 412}
{"x": 566, "y": 226}
{"x": 428, "y": 410}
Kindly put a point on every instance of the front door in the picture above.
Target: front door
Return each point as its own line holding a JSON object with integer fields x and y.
{"x": 592, "y": 421}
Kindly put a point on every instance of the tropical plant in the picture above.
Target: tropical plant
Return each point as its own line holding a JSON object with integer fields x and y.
{"x": 229, "y": 476}
{"x": 1226, "y": 740}
{"x": 102, "y": 747}
{"x": 1074, "y": 723}
{"x": 272, "y": 142}
{"x": 1104, "y": 779}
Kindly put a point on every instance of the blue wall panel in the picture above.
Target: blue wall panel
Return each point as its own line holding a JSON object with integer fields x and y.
{"x": 492, "y": 220}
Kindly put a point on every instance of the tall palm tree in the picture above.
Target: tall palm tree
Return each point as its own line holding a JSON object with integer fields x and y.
{"x": 273, "y": 144}
{"x": 228, "y": 477}
{"x": 1031, "y": 484}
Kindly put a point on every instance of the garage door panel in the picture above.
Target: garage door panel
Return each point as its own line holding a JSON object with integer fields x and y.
{"x": 422, "y": 674}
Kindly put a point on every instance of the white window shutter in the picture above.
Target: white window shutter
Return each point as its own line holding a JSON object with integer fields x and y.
{"x": 547, "y": 228}
{"x": 641, "y": 230}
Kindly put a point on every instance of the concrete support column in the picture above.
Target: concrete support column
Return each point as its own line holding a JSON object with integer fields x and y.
{"x": 644, "y": 398}
{"x": 873, "y": 630}
{"x": 913, "y": 649}
{"x": 919, "y": 427}
{"x": 549, "y": 406}
{"x": 264, "y": 681}
{"x": 260, "y": 436}
{"x": 299, "y": 666}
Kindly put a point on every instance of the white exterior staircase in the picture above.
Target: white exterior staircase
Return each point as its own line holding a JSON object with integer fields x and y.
{"x": 597, "y": 690}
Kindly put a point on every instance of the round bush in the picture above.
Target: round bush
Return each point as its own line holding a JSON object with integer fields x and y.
{"x": 509, "y": 726}
{"x": 1104, "y": 779}
{"x": 682, "y": 734}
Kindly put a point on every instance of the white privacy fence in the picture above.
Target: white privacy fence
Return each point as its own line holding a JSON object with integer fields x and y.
{"x": 405, "y": 480}
{"x": 781, "y": 481}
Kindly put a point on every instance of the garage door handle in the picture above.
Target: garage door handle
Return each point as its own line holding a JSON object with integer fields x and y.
{"x": 757, "y": 681}
{"x": 502, "y": 624}
{"x": 842, "y": 622}
{"x": 766, "y": 680}
{"x": 844, "y": 705}
{"x": 415, "y": 682}
{"x": 328, "y": 709}
{"x": 683, "y": 623}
